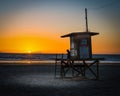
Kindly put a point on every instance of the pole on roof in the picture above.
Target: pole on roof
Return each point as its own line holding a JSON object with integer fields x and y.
{"x": 86, "y": 19}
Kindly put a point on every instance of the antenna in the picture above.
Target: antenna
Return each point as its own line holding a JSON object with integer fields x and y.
{"x": 86, "y": 19}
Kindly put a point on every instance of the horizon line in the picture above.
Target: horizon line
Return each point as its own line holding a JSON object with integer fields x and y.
{"x": 54, "y": 53}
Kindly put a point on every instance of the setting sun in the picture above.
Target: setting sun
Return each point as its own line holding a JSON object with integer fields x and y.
{"x": 29, "y": 51}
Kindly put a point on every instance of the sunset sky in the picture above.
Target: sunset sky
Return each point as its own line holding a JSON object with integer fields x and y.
{"x": 36, "y": 25}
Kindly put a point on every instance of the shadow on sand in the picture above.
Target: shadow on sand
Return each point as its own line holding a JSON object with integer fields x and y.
{"x": 38, "y": 80}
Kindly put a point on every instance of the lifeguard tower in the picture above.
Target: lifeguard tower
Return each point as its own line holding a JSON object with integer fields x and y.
{"x": 80, "y": 50}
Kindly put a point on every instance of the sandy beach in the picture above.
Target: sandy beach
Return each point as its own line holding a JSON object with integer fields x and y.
{"x": 38, "y": 80}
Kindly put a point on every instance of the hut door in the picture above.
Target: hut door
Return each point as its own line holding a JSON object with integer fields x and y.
{"x": 84, "y": 48}
{"x": 73, "y": 50}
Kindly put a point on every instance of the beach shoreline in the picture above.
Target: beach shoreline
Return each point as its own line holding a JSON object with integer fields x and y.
{"x": 46, "y": 62}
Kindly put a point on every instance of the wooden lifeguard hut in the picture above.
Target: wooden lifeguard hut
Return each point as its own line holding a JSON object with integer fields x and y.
{"x": 80, "y": 50}
{"x": 80, "y": 42}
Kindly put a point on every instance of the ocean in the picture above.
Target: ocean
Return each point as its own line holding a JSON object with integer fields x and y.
{"x": 9, "y": 57}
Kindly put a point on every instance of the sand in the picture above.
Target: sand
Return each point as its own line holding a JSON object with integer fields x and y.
{"x": 38, "y": 80}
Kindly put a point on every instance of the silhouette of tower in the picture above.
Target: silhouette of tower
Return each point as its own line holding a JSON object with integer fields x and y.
{"x": 80, "y": 42}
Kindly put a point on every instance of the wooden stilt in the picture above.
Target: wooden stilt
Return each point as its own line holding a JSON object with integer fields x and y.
{"x": 55, "y": 64}
{"x": 97, "y": 69}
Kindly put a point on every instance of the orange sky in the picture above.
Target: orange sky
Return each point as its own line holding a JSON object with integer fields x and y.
{"x": 37, "y": 28}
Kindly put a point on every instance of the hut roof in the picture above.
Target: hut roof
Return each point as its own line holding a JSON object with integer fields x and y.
{"x": 80, "y": 33}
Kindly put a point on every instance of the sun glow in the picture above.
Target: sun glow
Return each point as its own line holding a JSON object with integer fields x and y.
{"x": 29, "y": 51}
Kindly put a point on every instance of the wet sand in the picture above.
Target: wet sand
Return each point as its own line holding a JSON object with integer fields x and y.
{"x": 38, "y": 80}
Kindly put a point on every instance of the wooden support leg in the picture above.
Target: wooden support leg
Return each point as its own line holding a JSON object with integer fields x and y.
{"x": 72, "y": 72}
{"x": 63, "y": 66}
{"x": 61, "y": 70}
{"x": 95, "y": 73}
{"x": 84, "y": 71}
{"x": 97, "y": 63}
{"x": 72, "y": 66}
{"x": 84, "y": 68}
{"x": 55, "y": 65}
{"x": 55, "y": 68}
